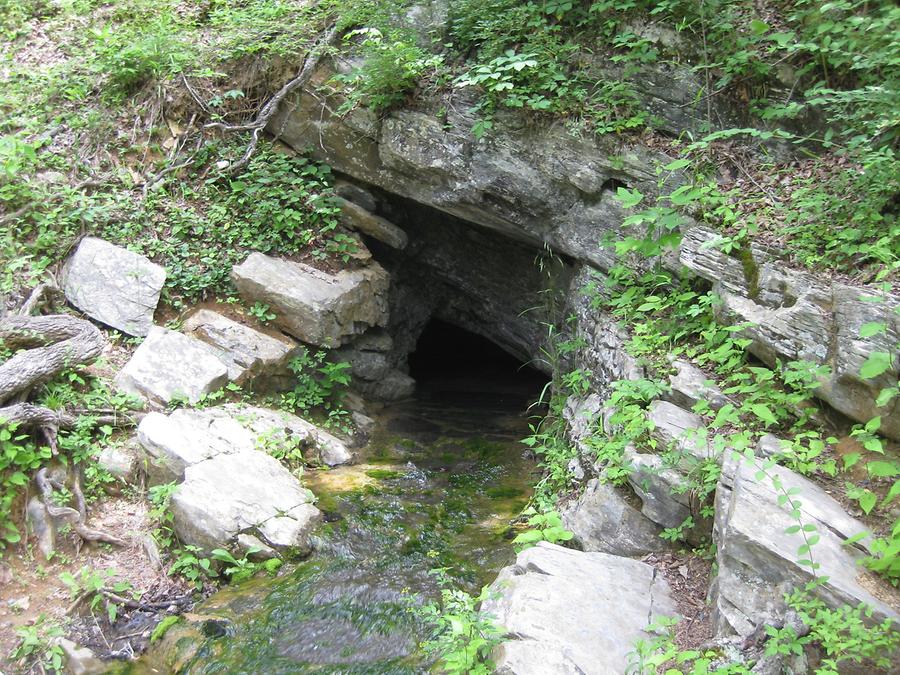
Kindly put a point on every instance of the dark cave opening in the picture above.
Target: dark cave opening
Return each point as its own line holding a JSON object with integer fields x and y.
{"x": 450, "y": 360}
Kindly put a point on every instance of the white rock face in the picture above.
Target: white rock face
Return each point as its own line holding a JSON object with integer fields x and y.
{"x": 113, "y": 285}
{"x": 758, "y": 561}
{"x": 186, "y": 437}
{"x": 573, "y": 612}
{"x": 247, "y": 353}
{"x": 314, "y": 306}
{"x": 169, "y": 364}
{"x": 247, "y": 492}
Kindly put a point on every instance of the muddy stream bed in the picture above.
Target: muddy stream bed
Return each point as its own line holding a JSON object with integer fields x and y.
{"x": 437, "y": 486}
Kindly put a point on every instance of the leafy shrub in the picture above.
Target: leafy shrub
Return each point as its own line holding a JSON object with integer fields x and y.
{"x": 391, "y": 69}
{"x": 846, "y": 634}
{"x": 38, "y": 647}
{"x": 320, "y": 383}
{"x": 462, "y": 637}
{"x": 546, "y": 526}
{"x": 133, "y": 56}
{"x": 18, "y": 458}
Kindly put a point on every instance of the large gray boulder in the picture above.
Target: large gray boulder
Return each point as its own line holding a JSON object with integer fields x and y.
{"x": 243, "y": 493}
{"x": 603, "y": 520}
{"x": 187, "y": 436}
{"x": 249, "y": 355}
{"x": 168, "y": 365}
{"x": 567, "y": 612}
{"x": 314, "y": 306}
{"x": 758, "y": 560}
{"x": 113, "y": 285}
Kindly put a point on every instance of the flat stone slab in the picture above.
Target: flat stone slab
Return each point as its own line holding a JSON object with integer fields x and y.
{"x": 758, "y": 560}
{"x": 247, "y": 353}
{"x": 363, "y": 220}
{"x": 570, "y": 612}
{"x": 314, "y": 306}
{"x": 187, "y": 437}
{"x": 244, "y": 493}
{"x": 168, "y": 365}
{"x": 675, "y": 429}
{"x": 113, "y": 285}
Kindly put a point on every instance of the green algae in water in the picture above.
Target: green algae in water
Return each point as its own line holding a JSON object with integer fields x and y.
{"x": 346, "y": 610}
{"x": 384, "y": 474}
{"x": 504, "y": 492}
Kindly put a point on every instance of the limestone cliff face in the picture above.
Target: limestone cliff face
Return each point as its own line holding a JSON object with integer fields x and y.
{"x": 538, "y": 184}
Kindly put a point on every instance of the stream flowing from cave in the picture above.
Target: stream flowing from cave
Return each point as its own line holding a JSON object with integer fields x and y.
{"x": 436, "y": 486}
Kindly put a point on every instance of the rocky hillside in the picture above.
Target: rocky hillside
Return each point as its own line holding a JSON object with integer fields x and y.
{"x": 683, "y": 212}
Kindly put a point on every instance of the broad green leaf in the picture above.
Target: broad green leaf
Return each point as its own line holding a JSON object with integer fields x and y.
{"x": 759, "y": 27}
{"x": 883, "y": 469}
{"x": 872, "y": 328}
{"x": 867, "y": 501}
{"x": 763, "y": 413}
{"x": 875, "y": 365}
{"x": 629, "y": 198}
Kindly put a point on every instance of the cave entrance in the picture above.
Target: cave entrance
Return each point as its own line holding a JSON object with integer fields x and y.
{"x": 453, "y": 363}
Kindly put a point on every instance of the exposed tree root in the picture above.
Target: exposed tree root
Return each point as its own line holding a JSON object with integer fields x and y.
{"x": 49, "y": 345}
{"x": 267, "y": 111}
{"x": 73, "y": 516}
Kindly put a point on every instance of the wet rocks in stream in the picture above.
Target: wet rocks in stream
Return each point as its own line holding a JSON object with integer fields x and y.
{"x": 231, "y": 493}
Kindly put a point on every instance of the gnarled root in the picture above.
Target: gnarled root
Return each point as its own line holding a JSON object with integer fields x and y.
{"x": 75, "y": 517}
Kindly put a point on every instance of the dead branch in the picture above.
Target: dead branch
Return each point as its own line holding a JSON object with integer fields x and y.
{"x": 267, "y": 111}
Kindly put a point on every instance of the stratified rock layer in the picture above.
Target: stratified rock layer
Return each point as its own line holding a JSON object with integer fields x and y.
{"x": 758, "y": 558}
{"x": 314, "y": 306}
{"x": 247, "y": 353}
{"x": 602, "y": 520}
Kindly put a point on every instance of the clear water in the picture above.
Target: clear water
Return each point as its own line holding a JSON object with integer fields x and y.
{"x": 436, "y": 487}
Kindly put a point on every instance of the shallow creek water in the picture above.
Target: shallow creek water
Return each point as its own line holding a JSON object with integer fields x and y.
{"x": 436, "y": 487}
